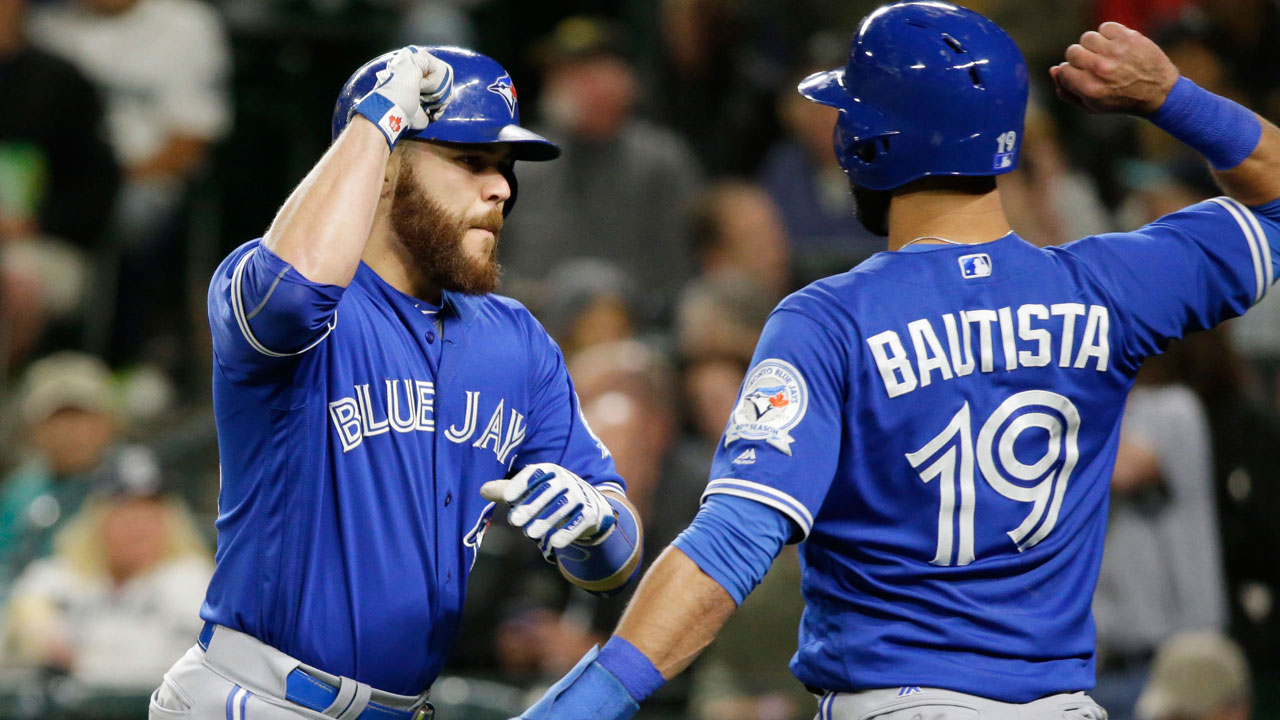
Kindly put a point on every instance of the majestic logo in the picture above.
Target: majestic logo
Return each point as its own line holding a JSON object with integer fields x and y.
{"x": 747, "y": 457}
{"x": 909, "y": 690}
{"x": 774, "y": 398}
{"x": 502, "y": 86}
{"x": 975, "y": 266}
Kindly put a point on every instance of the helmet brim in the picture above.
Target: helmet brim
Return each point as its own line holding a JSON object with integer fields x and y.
{"x": 525, "y": 144}
{"x": 826, "y": 88}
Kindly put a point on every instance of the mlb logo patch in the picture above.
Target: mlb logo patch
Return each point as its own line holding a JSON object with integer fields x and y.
{"x": 1002, "y": 161}
{"x": 975, "y": 266}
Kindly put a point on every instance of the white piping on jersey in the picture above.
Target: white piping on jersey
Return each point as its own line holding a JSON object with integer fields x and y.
{"x": 1261, "y": 259}
{"x": 237, "y": 308}
{"x": 772, "y": 497}
{"x": 1264, "y": 245}
{"x": 615, "y": 487}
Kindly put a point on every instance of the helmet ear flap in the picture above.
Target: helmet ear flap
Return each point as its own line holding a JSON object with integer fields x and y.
{"x": 860, "y": 154}
{"x": 869, "y": 150}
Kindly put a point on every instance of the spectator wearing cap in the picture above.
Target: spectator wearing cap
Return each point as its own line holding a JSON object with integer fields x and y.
{"x": 1198, "y": 676}
{"x": 587, "y": 301}
{"x": 802, "y": 176}
{"x": 69, "y": 424}
{"x": 119, "y": 600}
{"x": 620, "y": 190}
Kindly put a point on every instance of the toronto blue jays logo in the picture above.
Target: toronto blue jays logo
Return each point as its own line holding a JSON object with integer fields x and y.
{"x": 502, "y": 86}
{"x": 766, "y": 399}
{"x": 773, "y": 401}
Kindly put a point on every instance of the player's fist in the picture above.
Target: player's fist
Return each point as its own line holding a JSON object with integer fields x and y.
{"x": 1115, "y": 70}
{"x": 412, "y": 90}
{"x": 553, "y": 506}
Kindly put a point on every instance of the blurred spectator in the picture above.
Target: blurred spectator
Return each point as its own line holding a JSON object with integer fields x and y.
{"x": 802, "y": 176}
{"x": 67, "y": 411}
{"x": 715, "y": 83}
{"x": 1244, "y": 33}
{"x": 1047, "y": 201}
{"x": 744, "y": 674}
{"x": 1162, "y": 566}
{"x": 434, "y": 22}
{"x": 587, "y": 301}
{"x": 119, "y": 600}
{"x": 718, "y": 323}
{"x": 58, "y": 180}
{"x": 1145, "y": 16}
{"x": 737, "y": 229}
{"x": 1245, "y": 435}
{"x": 619, "y": 192}
{"x": 1197, "y": 676}
{"x": 162, "y": 66}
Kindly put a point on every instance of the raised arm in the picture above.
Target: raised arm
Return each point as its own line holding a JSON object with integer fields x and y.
{"x": 322, "y": 228}
{"x": 1118, "y": 70}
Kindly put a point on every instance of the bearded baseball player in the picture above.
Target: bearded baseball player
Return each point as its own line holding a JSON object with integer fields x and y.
{"x": 367, "y": 385}
{"x": 937, "y": 427}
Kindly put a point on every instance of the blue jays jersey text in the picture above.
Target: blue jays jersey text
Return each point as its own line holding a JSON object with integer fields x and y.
{"x": 940, "y": 425}
{"x": 355, "y": 427}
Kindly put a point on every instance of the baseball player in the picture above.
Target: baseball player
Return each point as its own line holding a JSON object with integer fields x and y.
{"x": 367, "y": 384}
{"x": 937, "y": 426}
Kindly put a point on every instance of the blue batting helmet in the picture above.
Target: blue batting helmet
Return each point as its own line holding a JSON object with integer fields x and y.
{"x": 929, "y": 89}
{"x": 484, "y": 108}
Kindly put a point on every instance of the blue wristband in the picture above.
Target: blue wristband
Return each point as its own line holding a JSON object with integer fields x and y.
{"x": 587, "y": 692}
{"x": 385, "y": 115}
{"x": 1223, "y": 131}
{"x": 632, "y": 668}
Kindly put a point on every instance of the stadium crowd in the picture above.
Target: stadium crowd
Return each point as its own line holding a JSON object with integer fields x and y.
{"x": 142, "y": 140}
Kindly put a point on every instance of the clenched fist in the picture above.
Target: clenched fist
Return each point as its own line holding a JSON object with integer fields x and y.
{"x": 1115, "y": 70}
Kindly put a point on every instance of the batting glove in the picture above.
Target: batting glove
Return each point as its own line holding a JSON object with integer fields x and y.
{"x": 553, "y": 506}
{"x": 412, "y": 90}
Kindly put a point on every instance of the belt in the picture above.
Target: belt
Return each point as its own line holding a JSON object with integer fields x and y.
{"x": 314, "y": 693}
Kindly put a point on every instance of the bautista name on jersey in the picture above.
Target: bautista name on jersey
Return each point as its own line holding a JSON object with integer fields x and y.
{"x": 1040, "y": 335}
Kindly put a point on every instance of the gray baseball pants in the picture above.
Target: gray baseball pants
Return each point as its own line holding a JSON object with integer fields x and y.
{"x": 241, "y": 678}
{"x": 911, "y": 703}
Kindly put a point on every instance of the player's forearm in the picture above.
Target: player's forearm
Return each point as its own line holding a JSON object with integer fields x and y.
{"x": 1256, "y": 181}
{"x": 676, "y": 612}
{"x": 322, "y": 228}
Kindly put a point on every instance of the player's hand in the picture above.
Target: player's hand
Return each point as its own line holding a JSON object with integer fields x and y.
{"x": 1115, "y": 70}
{"x": 553, "y": 506}
{"x": 417, "y": 85}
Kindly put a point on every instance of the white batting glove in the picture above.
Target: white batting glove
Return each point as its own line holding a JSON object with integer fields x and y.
{"x": 553, "y": 506}
{"x": 412, "y": 90}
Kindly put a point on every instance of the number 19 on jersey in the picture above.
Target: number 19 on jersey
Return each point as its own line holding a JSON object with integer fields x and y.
{"x": 949, "y": 458}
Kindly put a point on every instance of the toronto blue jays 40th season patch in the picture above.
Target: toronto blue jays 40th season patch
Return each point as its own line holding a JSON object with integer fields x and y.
{"x": 773, "y": 400}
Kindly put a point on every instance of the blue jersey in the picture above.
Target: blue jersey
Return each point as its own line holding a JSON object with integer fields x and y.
{"x": 355, "y": 427}
{"x": 940, "y": 425}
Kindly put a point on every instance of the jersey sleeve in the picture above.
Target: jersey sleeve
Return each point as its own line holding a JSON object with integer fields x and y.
{"x": 782, "y": 442}
{"x": 558, "y": 431}
{"x": 1189, "y": 270}
{"x": 262, "y": 312}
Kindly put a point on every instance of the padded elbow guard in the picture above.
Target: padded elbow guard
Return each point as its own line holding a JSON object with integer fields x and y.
{"x": 608, "y": 564}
